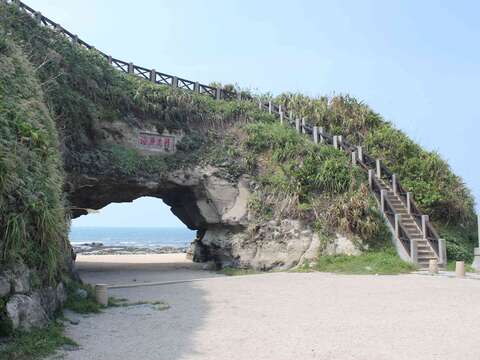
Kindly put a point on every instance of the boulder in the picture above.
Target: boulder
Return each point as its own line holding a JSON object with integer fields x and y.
{"x": 26, "y": 312}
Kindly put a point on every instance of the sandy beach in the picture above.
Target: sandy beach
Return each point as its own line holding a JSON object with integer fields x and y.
{"x": 275, "y": 316}
{"x": 129, "y": 269}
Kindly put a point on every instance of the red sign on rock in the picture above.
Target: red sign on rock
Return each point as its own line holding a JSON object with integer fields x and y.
{"x": 156, "y": 142}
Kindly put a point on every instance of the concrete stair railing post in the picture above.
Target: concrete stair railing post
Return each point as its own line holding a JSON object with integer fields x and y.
{"x": 424, "y": 226}
{"x": 383, "y": 195}
{"x": 379, "y": 169}
{"x": 297, "y": 125}
{"x": 360, "y": 153}
{"x": 394, "y": 184}
{"x": 371, "y": 174}
{"x": 304, "y": 130}
{"x": 413, "y": 251}
{"x": 409, "y": 203}
{"x": 398, "y": 218}
{"x": 320, "y": 131}
{"x": 315, "y": 134}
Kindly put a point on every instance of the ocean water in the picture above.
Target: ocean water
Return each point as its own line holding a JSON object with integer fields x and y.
{"x": 132, "y": 236}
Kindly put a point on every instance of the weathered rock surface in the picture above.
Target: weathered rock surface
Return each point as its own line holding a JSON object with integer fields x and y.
{"x": 26, "y": 312}
{"x": 218, "y": 208}
{"x": 204, "y": 199}
{"x": 27, "y": 307}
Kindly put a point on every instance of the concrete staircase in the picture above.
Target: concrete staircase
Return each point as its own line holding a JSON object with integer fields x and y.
{"x": 419, "y": 244}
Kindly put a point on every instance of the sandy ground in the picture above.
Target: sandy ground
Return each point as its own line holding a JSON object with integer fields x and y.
{"x": 278, "y": 316}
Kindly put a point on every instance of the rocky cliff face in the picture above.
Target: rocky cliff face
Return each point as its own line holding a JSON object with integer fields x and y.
{"x": 204, "y": 199}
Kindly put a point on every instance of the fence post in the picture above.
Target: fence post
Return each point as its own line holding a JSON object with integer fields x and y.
{"x": 370, "y": 178}
{"x": 218, "y": 93}
{"x": 153, "y": 75}
{"x": 320, "y": 130}
{"x": 424, "y": 225}
{"x": 297, "y": 124}
{"x": 109, "y": 59}
{"x": 335, "y": 141}
{"x": 281, "y": 118}
{"x": 340, "y": 140}
{"x": 38, "y": 17}
{"x": 394, "y": 183}
{"x": 379, "y": 169}
{"x": 383, "y": 194}
{"x": 174, "y": 81}
{"x": 196, "y": 87}
{"x": 398, "y": 218}
{"x": 360, "y": 153}
{"x": 409, "y": 202}
{"x": 270, "y": 107}
{"x": 304, "y": 131}
{"x": 354, "y": 157}
{"x": 279, "y": 109}
{"x": 75, "y": 39}
{"x": 315, "y": 134}
{"x": 239, "y": 95}
{"x": 130, "y": 68}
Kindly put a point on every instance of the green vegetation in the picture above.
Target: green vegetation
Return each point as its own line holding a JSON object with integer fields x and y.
{"x": 468, "y": 267}
{"x": 81, "y": 304}
{"x": 33, "y": 223}
{"x": 381, "y": 262}
{"x": 438, "y": 191}
{"x": 120, "y": 302}
{"x": 311, "y": 182}
{"x": 36, "y": 344}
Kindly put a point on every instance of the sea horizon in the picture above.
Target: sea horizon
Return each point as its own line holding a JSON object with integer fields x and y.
{"x": 132, "y": 236}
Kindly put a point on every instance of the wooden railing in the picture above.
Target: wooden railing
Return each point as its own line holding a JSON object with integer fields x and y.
{"x": 383, "y": 173}
{"x": 130, "y": 68}
{"x": 365, "y": 161}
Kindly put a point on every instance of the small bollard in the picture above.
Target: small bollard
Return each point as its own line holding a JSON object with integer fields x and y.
{"x": 433, "y": 266}
{"x": 101, "y": 294}
{"x": 460, "y": 269}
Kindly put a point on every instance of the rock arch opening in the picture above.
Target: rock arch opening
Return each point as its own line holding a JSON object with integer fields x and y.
{"x": 145, "y": 225}
{"x": 212, "y": 206}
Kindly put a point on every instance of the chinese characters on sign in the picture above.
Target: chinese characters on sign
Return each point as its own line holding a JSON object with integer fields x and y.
{"x": 156, "y": 142}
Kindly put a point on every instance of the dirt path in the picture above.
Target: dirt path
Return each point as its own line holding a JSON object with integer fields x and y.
{"x": 283, "y": 316}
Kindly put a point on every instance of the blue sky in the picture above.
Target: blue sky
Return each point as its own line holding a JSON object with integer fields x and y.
{"x": 415, "y": 62}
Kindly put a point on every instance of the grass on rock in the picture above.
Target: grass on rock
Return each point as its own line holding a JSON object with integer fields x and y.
{"x": 381, "y": 263}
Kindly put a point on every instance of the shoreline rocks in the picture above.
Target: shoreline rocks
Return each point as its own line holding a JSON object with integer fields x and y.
{"x": 100, "y": 249}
